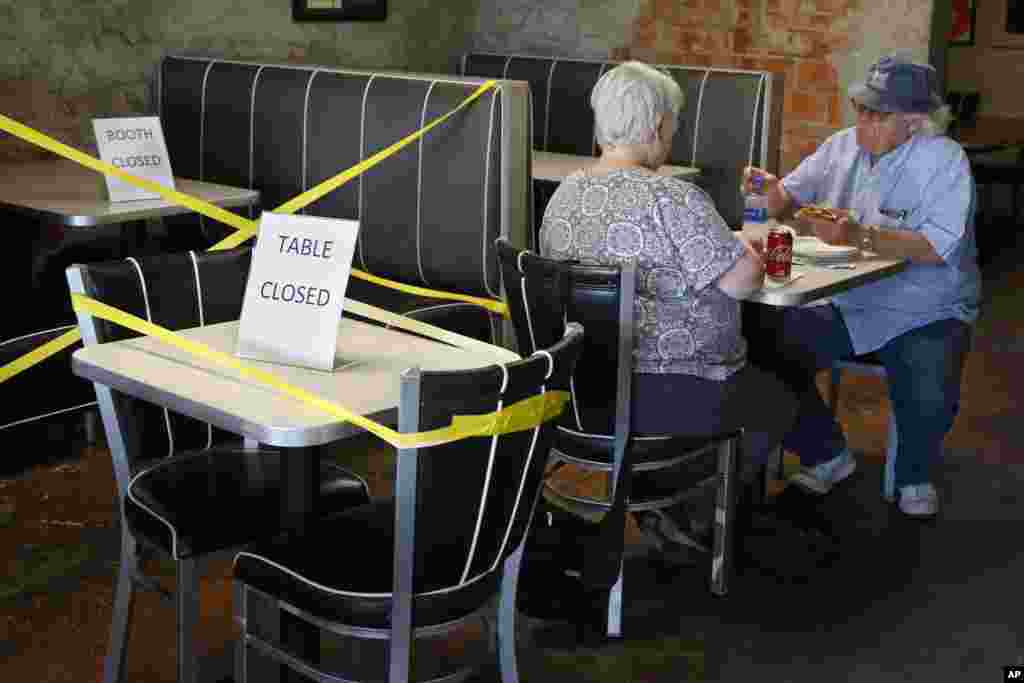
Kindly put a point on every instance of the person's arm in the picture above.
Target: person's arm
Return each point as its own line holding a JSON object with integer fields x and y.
{"x": 804, "y": 184}
{"x": 929, "y": 234}
{"x": 746, "y": 275}
{"x": 899, "y": 244}
{"x": 729, "y": 262}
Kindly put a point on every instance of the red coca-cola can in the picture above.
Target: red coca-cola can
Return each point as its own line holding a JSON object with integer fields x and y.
{"x": 778, "y": 254}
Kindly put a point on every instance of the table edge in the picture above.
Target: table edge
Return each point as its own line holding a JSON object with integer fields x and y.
{"x": 76, "y": 220}
{"x": 782, "y": 297}
{"x": 281, "y": 437}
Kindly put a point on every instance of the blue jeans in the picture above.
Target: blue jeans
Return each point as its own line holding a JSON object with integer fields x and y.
{"x": 923, "y": 368}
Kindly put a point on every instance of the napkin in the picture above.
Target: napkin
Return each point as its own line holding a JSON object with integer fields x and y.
{"x": 812, "y": 247}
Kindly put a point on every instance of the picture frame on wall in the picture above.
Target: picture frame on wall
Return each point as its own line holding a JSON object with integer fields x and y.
{"x": 1009, "y": 29}
{"x": 961, "y": 31}
{"x": 339, "y": 10}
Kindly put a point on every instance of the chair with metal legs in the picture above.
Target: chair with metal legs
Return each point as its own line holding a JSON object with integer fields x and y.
{"x": 596, "y": 433}
{"x": 868, "y": 364}
{"x": 185, "y": 489}
{"x": 68, "y": 406}
{"x": 430, "y": 559}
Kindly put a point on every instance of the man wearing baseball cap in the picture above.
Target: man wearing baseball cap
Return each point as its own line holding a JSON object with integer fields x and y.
{"x": 904, "y": 190}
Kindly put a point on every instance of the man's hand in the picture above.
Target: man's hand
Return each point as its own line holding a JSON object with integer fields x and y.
{"x": 845, "y": 231}
{"x": 833, "y": 226}
{"x": 761, "y": 181}
{"x": 766, "y": 179}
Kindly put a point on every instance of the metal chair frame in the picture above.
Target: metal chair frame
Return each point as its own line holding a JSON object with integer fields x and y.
{"x": 134, "y": 550}
{"x": 401, "y": 632}
{"x": 729, "y": 449}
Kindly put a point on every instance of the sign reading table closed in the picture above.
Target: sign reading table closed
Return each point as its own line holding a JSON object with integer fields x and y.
{"x": 296, "y": 290}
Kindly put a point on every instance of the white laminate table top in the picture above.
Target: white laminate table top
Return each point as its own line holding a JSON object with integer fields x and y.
{"x": 368, "y": 385}
{"x": 814, "y": 281}
{"x": 555, "y": 167}
{"x": 68, "y": 193}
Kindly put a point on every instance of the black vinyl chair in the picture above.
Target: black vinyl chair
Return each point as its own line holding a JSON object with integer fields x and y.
{"x": 596, "y": 432}
{"x": 67, "y": 411}
{"x": 998, "y": 170}
{"x": 186, "y": 490}
{"x": 430, "y": 559}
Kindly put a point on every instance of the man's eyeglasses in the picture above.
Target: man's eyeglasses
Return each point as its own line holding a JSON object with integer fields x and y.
{"x": 860, "y": 110}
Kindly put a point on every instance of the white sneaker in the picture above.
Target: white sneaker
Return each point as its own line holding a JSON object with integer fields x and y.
{"x": 919, "y": 500}
{"x": 821, "y": 478}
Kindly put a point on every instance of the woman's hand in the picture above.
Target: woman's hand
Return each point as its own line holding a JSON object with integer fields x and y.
{"x": 747, "y": 274}
{"x": 757, "y": 244}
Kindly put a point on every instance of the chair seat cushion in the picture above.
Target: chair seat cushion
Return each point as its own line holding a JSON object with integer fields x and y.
{"x": 456, "y": 316}
{"x": 244, "y": 485}
{"x": 342, "y": 571}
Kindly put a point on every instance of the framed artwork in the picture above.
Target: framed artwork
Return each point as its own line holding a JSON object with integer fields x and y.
{"x": 1009, "y": 25}
{"x": 339, "y": 10}
{"x": 961, "y": 31}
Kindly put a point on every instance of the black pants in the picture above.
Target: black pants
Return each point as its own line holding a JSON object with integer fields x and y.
{"x": 753, "y": 399}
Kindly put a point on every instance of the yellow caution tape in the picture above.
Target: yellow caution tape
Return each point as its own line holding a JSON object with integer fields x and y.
{"x": 408, "y": 324}
{"x": 311, "y": 195}
{"x": 244, "y": 228}
{"x": 233, "y": 240}
{"x": 519, "y": 416}
{"x": 492, "y": 305}
{"x": 39, "y": 354}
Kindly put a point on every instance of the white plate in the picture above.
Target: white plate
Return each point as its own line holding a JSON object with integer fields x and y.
{"x": 812, "y": 247}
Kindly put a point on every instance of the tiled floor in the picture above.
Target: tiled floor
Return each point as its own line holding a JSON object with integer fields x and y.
{"x": 58, "y": 550}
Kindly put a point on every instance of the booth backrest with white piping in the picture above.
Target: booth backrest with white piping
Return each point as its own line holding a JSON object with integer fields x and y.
{"x": 429, "y": 214}
{"x": 731, "y": 117}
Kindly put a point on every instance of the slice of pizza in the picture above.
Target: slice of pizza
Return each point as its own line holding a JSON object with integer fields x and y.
{"x": 820, "y": 213}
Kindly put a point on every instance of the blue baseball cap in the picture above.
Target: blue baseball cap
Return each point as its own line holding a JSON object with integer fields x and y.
{"x": 895, "y": 83}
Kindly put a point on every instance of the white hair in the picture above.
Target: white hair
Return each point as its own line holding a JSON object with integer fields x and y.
{"x": 627, "y": 101}
{"x": 935, "y": 123}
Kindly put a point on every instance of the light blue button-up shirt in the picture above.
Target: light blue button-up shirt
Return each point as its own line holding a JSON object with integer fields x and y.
{"x": 924, "y": 185}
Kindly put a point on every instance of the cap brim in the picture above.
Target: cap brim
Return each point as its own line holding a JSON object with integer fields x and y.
{"x": 863, "y": 95}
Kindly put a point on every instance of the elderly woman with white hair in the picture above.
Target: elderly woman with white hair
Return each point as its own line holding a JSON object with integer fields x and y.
{"x": 691, "y": 373}
{"x": 901, "y": 189}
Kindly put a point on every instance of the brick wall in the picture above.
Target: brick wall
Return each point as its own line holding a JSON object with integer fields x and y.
{"x": 820, "y": 46}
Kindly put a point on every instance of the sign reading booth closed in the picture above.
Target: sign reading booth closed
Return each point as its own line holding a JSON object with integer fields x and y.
{"x": 296, "y": 290}
{"x": 136, "y": 145}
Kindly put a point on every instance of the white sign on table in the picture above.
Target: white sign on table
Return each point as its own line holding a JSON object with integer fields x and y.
{"x": 134, "y": 145}
{"x": 296, "y": 290}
